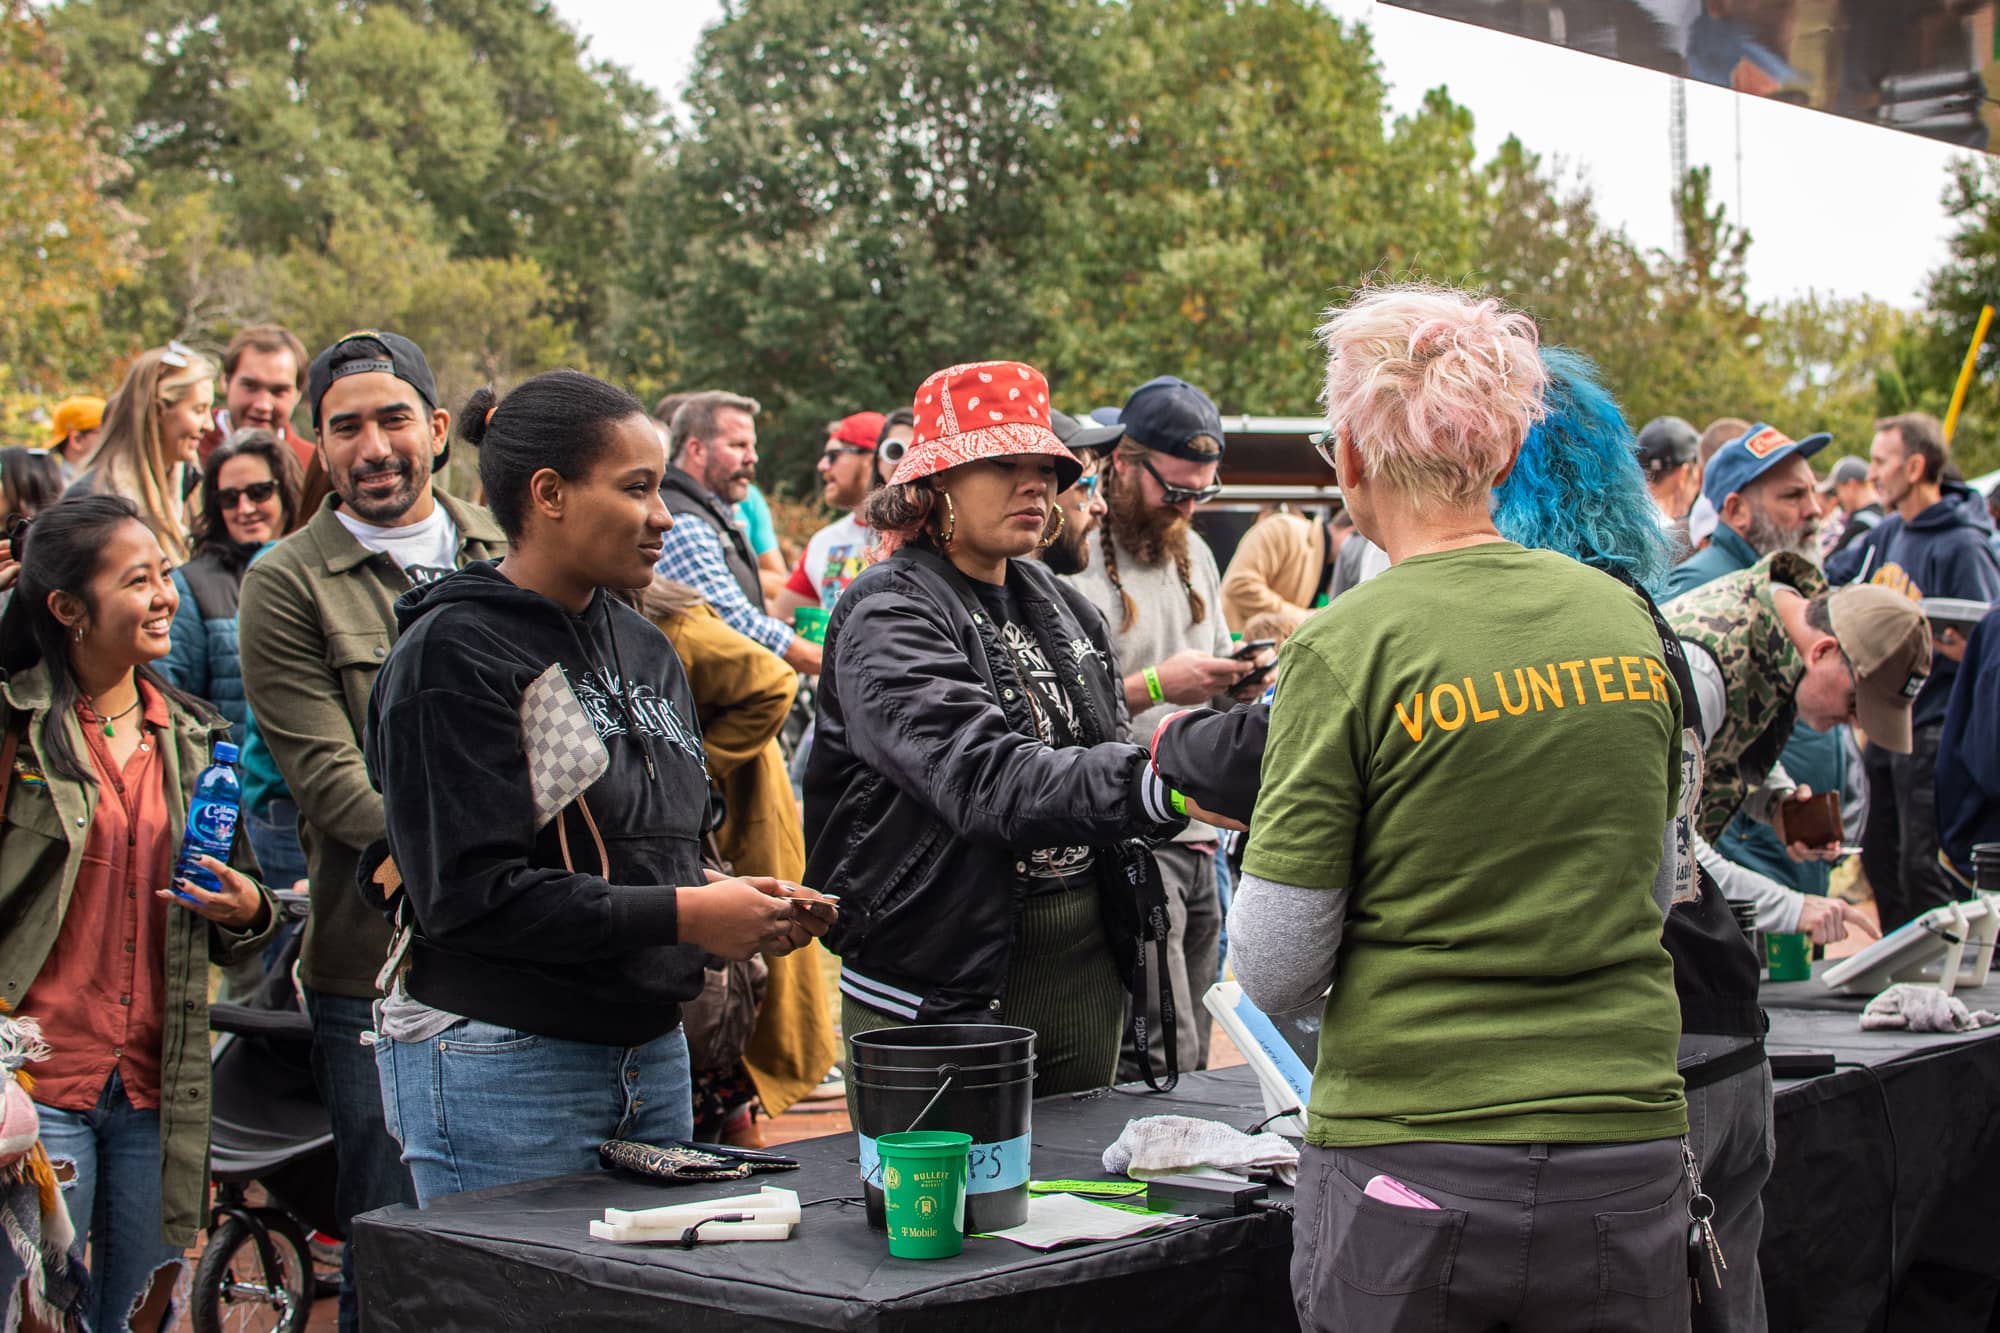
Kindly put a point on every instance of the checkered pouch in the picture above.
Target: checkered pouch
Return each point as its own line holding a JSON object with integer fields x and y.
{"x": 565, "y": 754}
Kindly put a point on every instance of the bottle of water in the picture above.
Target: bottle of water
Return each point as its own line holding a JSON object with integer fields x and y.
{"x": 211, "y": 821}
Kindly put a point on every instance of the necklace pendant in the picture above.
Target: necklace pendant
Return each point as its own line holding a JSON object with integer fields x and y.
{"x": 109, "y": 730}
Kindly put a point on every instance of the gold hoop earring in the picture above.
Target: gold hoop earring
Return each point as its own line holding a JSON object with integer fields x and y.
{"x": 1054, "y": 533}
{"x": 950, "y": 528}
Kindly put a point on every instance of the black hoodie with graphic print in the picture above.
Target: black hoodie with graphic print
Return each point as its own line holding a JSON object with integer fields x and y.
{"x": 503, "y": 932}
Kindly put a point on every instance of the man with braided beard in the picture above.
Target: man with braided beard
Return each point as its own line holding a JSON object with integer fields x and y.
{"x": 1157, "y": 584}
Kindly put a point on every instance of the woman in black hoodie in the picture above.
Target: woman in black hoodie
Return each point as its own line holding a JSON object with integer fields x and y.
{"x": 541, "y": 769}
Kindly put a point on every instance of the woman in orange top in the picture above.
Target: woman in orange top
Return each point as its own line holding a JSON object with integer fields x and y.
{"x": 103, "y": 945}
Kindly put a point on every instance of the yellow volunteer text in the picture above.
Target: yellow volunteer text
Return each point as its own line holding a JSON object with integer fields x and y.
{"x": 1447, "y": 705}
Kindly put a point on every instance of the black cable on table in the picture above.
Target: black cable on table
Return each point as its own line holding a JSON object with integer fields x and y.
{"x": 1895, "y": 1171}
{"x": 1261, "y": 1125}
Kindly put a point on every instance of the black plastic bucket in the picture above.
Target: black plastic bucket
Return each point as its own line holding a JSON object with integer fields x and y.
{"x": 976, "y": 1079}
{"x": 1986, "y": 867}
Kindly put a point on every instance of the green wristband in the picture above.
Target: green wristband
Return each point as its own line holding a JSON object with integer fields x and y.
{"x": 1177, "y": 801}
{"x": 1153, "y": 690}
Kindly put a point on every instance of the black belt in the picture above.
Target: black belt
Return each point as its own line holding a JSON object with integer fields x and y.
{"x": 1697, "y": 1076}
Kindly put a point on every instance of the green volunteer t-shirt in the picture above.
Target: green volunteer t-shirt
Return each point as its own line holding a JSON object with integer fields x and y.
{"x": 1482, "y": 745}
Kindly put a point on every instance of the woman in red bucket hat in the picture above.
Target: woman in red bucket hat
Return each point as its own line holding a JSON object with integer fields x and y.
{"x": 969, "y": 794}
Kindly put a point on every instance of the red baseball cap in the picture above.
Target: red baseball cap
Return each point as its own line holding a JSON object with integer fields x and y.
{"x": 861, "y": 430}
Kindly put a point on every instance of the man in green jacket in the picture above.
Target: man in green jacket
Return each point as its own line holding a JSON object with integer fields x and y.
{"x": 317, "y": 618}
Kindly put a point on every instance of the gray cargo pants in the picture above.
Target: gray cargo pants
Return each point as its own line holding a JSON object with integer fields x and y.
{"x": 1730, "y": 1130}
{"x": 1558, "y": 1238}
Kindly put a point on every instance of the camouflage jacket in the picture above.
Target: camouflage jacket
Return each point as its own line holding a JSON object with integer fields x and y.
{"x": 1735, "y": 621}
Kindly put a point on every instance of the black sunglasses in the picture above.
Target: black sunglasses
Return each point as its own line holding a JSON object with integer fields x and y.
{"x": 836, "y": 450}
{"x": 259, "y": 491}
{"x": 1174, "y": 495}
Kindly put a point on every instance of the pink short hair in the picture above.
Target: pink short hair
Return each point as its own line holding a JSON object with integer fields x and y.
{"x": 1434, "y": 388}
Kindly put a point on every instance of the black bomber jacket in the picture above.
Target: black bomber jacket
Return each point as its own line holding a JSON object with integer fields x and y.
{"x": 918, "y": 792}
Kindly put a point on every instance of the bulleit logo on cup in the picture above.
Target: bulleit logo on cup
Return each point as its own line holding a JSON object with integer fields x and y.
{"x": 892, "y": 1179}
{"x": 1766, "y": 442}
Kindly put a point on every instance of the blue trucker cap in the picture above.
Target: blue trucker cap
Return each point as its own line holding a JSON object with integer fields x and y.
{"x": 1752, "y": 454}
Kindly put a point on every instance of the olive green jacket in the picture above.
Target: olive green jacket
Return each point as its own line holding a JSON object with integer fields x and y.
{"x": 41, "y": 851}
{"x": 316, "y": 620}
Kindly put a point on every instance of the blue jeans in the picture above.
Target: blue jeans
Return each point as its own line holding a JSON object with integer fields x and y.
{"x": 368, "y": 1170}
{"x": 481, "y": 1105}
{"x": 113, "y": 1199}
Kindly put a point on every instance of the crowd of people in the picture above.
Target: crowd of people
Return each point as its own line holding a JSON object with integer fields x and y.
{"x": 1495, "y": 761}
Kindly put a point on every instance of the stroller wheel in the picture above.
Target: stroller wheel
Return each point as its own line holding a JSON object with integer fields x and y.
{"x": 234, "y": 1292}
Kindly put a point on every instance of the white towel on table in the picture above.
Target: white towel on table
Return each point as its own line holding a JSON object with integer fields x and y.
{"x": 1176, "y": 1145}
{"x": 1923, "y": 1009}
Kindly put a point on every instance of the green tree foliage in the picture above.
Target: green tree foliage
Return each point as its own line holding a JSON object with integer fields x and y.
{"x": 1929, "y": 358}
{"x": 62, "y": 245}
{"x": 1543, "y": 249}
{"x": 1224, "y": 176}
{"x": 851, "y": 205}
{"x": 1823, "y": 361}
{"x": 474, "y": 122}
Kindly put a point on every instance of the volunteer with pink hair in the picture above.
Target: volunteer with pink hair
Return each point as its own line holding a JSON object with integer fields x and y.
{"x": 1471, "y": 757}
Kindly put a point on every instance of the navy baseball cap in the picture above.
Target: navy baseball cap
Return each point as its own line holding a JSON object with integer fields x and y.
{"x": 1752, "y": 454}
{"x": 1168, "y": 415}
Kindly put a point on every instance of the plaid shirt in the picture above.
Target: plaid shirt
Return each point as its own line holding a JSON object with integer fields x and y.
{"x": 692, "y": 554}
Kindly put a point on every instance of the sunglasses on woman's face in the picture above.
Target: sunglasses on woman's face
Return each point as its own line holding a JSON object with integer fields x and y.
{"x": 257, "y": 492}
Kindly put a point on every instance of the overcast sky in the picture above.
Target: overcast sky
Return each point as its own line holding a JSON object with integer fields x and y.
{"x": 1831, "y": 204}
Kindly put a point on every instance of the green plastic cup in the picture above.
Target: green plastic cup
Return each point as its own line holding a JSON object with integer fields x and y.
{"x": 923, "y": 1192}
{"x": 1789, "y": 957}
{"x": 809, "y": 623}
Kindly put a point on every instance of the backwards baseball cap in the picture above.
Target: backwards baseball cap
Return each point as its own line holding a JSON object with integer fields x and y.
{"x": 1847, "y": 469}
{"x": 863, "y": 430}
{"x": 1752, "y": 454}
{"x": 1666, "y": 442}
{"x": 1888, "y": 644}
{"x": 82, "y": 412}
{"x": 1169, "y": 415}
{"x": 366, "y": 351}
{"x": 1076, "y": 435}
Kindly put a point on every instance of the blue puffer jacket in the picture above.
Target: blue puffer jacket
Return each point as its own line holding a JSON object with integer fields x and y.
{"x": 203, "y": 659}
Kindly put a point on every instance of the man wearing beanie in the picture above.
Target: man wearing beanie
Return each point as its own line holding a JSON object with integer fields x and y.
{"x": 318, "y": 619}
{"x": 1157, "y": 585}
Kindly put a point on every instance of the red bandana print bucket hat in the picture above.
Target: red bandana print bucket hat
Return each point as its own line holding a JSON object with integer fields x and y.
{"x": 985, "y": 409}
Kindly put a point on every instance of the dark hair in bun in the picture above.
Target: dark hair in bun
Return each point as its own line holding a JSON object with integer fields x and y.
{"x": 560, "y": 420}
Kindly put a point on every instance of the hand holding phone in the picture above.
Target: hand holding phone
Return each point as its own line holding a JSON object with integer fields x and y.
{"x": 1251, "y": 649}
